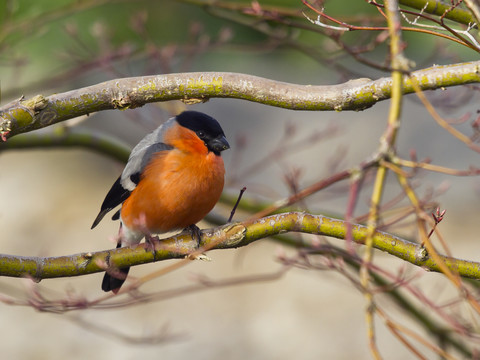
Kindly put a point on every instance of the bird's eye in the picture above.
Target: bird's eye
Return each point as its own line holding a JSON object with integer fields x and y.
{"x": 200, "y": 134}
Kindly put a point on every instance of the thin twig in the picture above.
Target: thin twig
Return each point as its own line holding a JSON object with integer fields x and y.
{"x": 232, "y": 213}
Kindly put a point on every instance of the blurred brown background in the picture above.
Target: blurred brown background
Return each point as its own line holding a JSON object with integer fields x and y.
{"x": 50, "y": 197}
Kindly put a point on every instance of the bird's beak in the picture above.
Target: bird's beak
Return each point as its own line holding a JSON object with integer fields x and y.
{"x": 219, "y": 144}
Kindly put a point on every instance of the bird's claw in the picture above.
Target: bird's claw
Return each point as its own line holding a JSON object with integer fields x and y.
{"x": 196, "y": 233}
{"x": 150, "y": 242}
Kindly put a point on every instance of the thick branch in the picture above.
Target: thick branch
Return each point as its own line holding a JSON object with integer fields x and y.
{"x": 40, "y": 111}
{"x": 228, "y": 236}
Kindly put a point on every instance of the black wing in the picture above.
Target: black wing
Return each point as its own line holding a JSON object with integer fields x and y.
{"x": 135, "y": 179}
{"x": 117, "y": 195}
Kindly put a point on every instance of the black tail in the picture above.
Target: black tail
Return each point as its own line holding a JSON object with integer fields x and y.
{"x": 111, "y": 283}
{"x": 114, "y": 284}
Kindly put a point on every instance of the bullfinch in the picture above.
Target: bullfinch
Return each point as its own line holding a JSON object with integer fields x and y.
{"x": 173, "y": 178}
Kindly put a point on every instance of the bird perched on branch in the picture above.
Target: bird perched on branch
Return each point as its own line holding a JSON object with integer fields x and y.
{"x": 173, "y": 178}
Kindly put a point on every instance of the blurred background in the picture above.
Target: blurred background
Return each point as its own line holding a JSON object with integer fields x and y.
{"x": 51, "y": 196}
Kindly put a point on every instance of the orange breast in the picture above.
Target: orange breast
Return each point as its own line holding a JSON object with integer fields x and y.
{"x": 177, "y": 189}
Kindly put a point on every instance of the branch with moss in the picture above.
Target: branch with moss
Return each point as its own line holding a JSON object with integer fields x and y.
{"x": 25, "y": 115}
{"x": 226, "y": 237}
{"x": 441, "y": 9}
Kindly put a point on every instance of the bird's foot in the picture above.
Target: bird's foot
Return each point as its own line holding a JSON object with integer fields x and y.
{"x": 150, "y": 242}
{"x": 196, "y": 233}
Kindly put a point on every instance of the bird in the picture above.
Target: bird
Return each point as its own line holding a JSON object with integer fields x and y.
{"x": 173, "y": 178}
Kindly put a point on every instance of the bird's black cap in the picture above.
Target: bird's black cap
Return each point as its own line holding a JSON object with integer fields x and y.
{"x": 207, "y": 128}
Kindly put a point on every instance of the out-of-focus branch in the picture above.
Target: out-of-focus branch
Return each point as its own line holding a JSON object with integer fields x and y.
{"x": 474, "y": 8}
{"x": 387, "y": 144}
{"x": 433, "y": 7}
{"x": 460, "y": 37}
{"x": 440, "y": 8}
{"x": 40, "y": 111}
{"x": 226, "y": 237}
{"x": 64, "y": 137}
